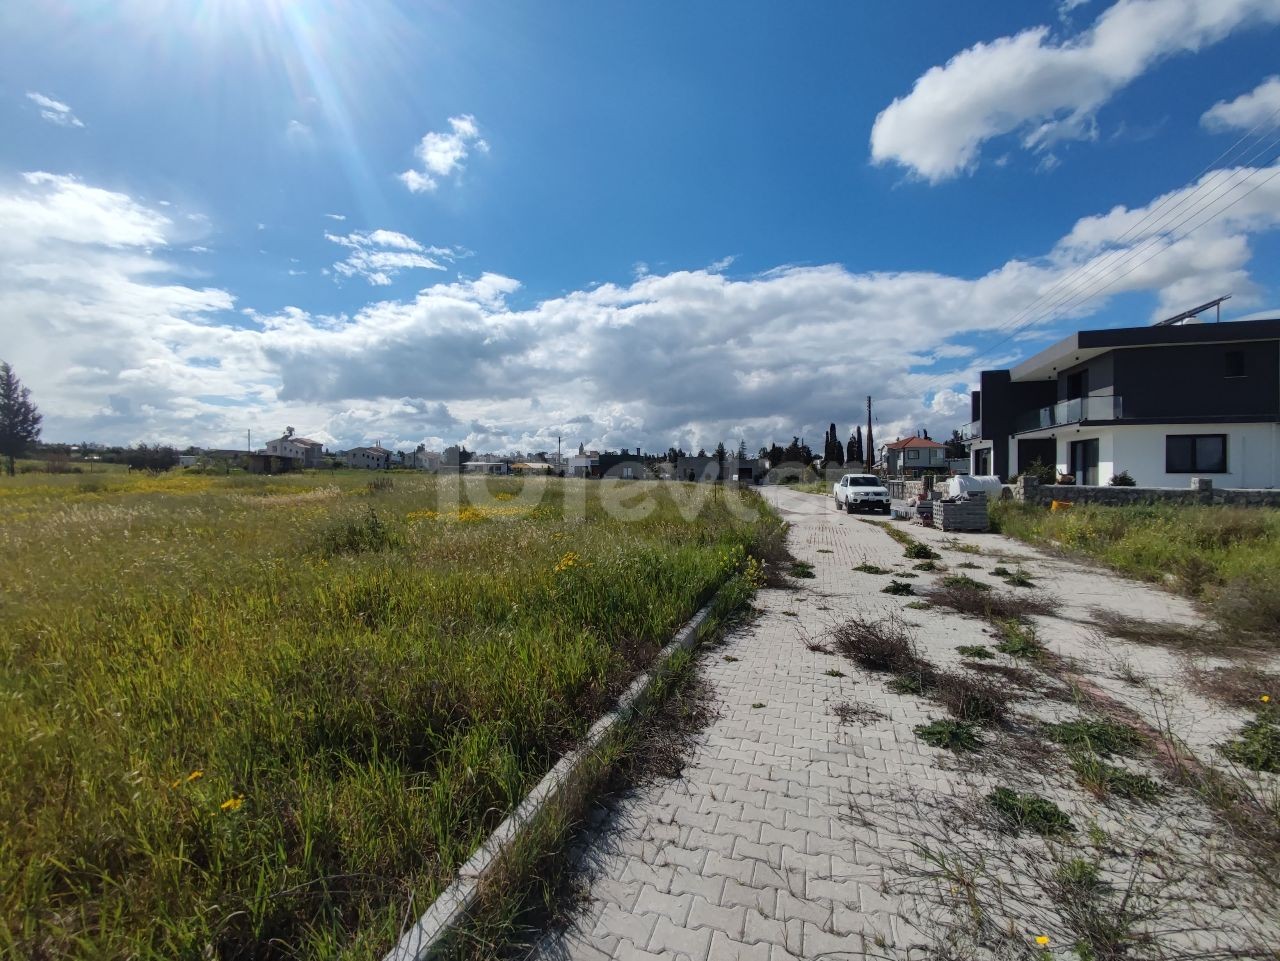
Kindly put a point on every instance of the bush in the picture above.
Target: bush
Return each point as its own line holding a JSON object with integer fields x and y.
{"x": 1123, "y": 479}
{"x": 1042, "y": 472}
{"x": 971, "y": 699}
{"x": 882, "y": 645}
{"x": 1019, "y": 640}
{"x": 898, "y": 588}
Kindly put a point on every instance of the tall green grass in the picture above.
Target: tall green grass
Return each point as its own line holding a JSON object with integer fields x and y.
{"x": 1229, "y": 557}
{"x": 257, "y": 717}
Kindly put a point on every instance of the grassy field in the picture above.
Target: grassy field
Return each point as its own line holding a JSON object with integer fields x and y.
{"x": 259, "y": 717}
{"x": 1228, "y": 557}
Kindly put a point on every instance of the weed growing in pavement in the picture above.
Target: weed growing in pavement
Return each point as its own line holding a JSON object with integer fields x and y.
{"x": 898, "y": 588}
{"x": 1019, "y": 640}
{"x": 1030, "y": 812}
{"x": 1190, "y": 638}
{"x": 730, "y": 657}
{"x": 1020, "y": 578}
{"x": 825, "y": 550}
{"x": 949, "y": 735}
{"x": 969, "y": 566}
{"x": 1000, "y": 571}
{"x": 918, "y": 551}
{"x": 866, "y": 568}
{"x": 928, "y": 566}
{"x": 852, "y": 711}
{"x": 832, "y": 672}
{"x": 758, "y": 704}
{"x": 882, "y": 645}
{"x": 981, "y": 652}
{"x": 1103, "y": 738}
{"x": 970, "y": 699}
{"x": 1102, "y": 779}
{"x": 1239, "y": 685}
{"x": 1257, "y": 745}
{"x": 801, "y": 569}
{"x": 964, "y": 582}
{"x": 955, "y": 544}
{"x": 817, "y": 647}
{"x": 918, "y": 605}
{"x": 907, "y": 574}
{"x": 906, "y": 684}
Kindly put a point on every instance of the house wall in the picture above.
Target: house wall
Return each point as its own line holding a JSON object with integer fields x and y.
{"x": 1189, "y": 381}
{"x": 1253, "y": 453}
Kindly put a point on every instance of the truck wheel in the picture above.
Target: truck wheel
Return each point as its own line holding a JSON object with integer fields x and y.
{"x": 837, "y": 500}
{"x": 848, "y": 507}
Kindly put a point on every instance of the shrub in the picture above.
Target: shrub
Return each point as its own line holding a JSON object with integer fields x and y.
{"x": 927, "y": 566}
{"x": 971, "y": 699}
{"x": 964, "y": 582}
{"x": 1123, "y": 479}
{"x": 950, "y": 735}
{"x": 897, "y": 588}
{"x": 1042, "y": 472}
{"x": 882, "y": 645}
{"x": 1030, "y": 812}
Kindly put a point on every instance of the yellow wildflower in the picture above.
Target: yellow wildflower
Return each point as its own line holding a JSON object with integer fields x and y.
{"x": 1265, "y": 699}
{"x": 1042, "y": 940}
{"x": 232, "y": 803}
{"x": 195, "y": 776}
{"x": 570, "y": 558}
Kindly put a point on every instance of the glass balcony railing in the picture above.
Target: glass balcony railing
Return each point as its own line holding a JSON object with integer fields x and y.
{"x": 971, "y": 431}
{"x": 1073, "y": 411}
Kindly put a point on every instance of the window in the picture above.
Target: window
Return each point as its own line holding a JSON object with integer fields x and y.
{"x": 1234, "y": 360}
{"x": 913, "y": 455}
{"x": 1195, "y": 454}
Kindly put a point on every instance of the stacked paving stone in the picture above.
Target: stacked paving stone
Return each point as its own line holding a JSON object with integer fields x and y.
{"x": 962, "y": 515}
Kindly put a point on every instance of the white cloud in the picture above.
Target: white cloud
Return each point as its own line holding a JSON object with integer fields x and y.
{"x": 1045, "y": 89}
{"x": 336, "y": 216}
{"x": 115, "y": 347}
{"x": 55, "y": 111}
{"x": 443, "y": 154}
{"x": 379, "y": 255}
{"x": 1260, "y": 106}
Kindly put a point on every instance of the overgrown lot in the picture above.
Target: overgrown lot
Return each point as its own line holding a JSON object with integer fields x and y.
{"x": 1229, "y": 557}
{"x": 254, "y": 717}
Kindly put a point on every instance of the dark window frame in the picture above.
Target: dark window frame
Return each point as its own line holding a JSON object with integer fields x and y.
{"x": 1195, "y": 467}
{"x": 1229, "y": 361}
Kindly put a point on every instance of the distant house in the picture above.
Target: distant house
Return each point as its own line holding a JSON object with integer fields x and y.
{"x": 264, "y": 462}
{"x": 913, "y": 456}
{"x": 368, "y": 458}
{"x": 486, "y": 465}
{"x": 586, "y": 464}
{"x": 706, "y": 468}
{"x": 188, "y": 460}
{"x": 308, "y": 452}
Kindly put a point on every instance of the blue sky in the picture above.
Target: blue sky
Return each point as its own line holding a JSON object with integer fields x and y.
{"x": 627, "y": 224}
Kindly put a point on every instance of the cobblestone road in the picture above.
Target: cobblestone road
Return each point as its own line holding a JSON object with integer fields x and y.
{"x": 753, "y": 853}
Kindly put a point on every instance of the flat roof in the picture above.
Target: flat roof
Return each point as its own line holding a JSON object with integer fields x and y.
{"x": 1084, "y": 344}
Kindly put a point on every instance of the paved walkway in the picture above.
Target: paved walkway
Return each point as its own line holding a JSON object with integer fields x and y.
{"x": 754, "y": 853}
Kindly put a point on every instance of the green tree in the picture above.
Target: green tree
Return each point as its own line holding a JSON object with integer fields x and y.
{"x": 19, "y": 418}
{"x": 721, "y": 455}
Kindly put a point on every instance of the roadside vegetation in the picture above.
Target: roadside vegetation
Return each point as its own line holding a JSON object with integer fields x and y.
{"x": 250, "y": 717}
{"x": 1227, "y": 557}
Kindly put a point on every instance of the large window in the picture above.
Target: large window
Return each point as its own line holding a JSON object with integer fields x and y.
{"x": 913, "y": 455}
{"x": 1195, "y": 454}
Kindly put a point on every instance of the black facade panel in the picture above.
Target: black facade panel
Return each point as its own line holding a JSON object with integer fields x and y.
{"x": 1192, "y": 381}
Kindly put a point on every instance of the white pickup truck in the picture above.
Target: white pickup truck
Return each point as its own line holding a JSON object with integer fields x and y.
{"x": 861, "y": 492}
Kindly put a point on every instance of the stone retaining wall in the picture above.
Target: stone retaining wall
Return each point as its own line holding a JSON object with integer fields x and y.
{"x": 1200, "y": 491}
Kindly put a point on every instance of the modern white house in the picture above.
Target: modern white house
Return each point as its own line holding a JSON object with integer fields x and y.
{"x": 1162, "y": 403}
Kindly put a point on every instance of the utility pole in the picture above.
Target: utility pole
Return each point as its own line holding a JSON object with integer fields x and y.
{"x": 248, "y": 441}
{"x": 558, "y": 452}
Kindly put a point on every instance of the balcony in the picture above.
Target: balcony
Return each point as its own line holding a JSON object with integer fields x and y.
{"x": 969, "y": 432}
{"x": 1073, "y": 411}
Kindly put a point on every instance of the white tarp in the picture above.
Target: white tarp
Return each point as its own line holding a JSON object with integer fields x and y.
{"x": 964, "y": 484}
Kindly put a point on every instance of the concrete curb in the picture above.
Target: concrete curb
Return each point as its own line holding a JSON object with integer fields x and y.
{"x": 429, "y": 935}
